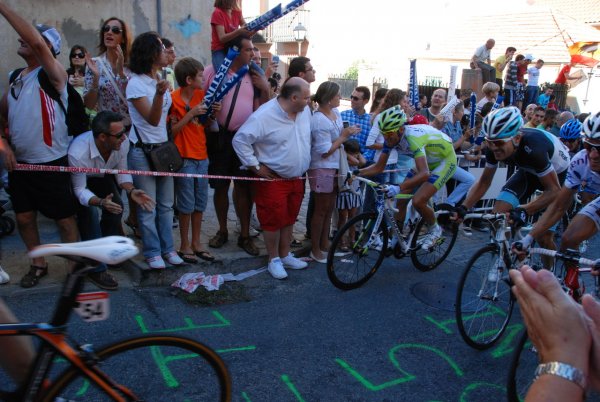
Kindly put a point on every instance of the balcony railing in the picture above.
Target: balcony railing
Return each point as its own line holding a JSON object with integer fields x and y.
{"x": 282, "y": 30}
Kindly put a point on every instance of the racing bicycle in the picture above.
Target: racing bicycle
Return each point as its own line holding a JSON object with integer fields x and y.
{"x": 374, "y": 235}
{"x": 125, "y": 370}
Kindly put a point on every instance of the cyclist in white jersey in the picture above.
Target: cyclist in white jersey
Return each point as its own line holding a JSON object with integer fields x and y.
{"x": 583, "y": 175}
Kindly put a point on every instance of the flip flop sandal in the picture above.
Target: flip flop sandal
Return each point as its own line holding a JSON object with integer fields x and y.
{"x": 187, "y": 257}
{"x": 32, "y": 277}
{"x": 205, "y": 255}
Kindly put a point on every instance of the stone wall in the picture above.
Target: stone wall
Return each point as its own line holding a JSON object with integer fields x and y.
{"x": 185, "y": 22}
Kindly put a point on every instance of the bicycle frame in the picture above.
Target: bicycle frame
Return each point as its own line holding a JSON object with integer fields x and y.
{"x": 53, "y": 336}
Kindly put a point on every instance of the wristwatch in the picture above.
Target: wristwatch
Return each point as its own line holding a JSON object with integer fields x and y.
{"x": 257, "y": 167}
{"x": 562, "y": 370}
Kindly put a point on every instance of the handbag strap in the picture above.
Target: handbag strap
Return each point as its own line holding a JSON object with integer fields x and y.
{"x": 110, "y": 76}
{"x": 137, "y": 134}
{"x": 235, "y": 94}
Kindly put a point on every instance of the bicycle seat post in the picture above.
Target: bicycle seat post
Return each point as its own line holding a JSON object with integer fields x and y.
{"x": 71, "y": 288}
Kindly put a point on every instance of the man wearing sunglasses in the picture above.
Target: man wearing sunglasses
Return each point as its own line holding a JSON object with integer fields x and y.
{"x": 38, "y": 135}
{"x": 105, "y": 147}
{"x": 542, "y": 162}
{"x": 583, "y": 176}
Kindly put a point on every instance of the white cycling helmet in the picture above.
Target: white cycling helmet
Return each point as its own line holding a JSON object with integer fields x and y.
{"x": 591, "y": 126}
{"x": 502, "y": 123}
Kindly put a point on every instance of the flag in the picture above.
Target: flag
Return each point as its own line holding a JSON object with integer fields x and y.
{"x": 414, "y": 86}
{"x": 585, "y": 53}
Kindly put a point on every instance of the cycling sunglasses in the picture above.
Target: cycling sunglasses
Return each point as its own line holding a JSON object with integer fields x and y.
{"x": 589, "y": 146}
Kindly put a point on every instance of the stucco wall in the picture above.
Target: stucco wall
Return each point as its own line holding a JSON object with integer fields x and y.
{"x": 185, "y": 22}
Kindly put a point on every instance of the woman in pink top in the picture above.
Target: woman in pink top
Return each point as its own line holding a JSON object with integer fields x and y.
{"x": 227, "y": 23}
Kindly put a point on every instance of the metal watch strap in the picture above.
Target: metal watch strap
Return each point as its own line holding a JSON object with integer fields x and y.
{"x": 562, "y": 370}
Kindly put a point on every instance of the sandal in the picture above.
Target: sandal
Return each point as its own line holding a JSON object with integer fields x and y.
{"x": 296, "y": 243}
{"x": 205, "y": 255}
{"x": 218, "y": 240}
{"x": 248, "y": 245}
{"x": 32, "y": 277}
{"x": 187, "y": 257}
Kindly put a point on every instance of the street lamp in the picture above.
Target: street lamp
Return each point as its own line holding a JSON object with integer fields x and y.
{"x": 299, "y": 35}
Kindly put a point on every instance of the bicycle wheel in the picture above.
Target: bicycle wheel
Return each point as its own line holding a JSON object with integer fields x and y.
{"x": 522, "y": 368}
{"x": 427, "y": 259}
{"x": 154, "y": 368}
{"x": 367, "y": 251}
{"x": 484, "y": 302}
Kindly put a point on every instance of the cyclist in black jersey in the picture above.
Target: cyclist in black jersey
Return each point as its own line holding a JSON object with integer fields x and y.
{"x": 542, "y": 162}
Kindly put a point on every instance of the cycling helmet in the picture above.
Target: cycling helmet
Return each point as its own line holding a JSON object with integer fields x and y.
{"x": 392, "y": 119}
{"x": 418, "y": 119}
{"x": 571, "y": 130}
{"x": 591, "y": 126}
{"x": 502, "y": 123}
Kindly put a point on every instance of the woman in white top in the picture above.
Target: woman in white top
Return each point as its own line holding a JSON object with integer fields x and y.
{"x": 327, "y": 135}
{"x": 149, "y": 100}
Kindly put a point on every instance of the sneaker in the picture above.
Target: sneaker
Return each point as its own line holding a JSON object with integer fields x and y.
{"x": 292, "y": 262}
{"x": 103, "y": 280}
{"x": 156, "y": 262}
{"x": 4, "y": 278}
{"x": 376, "y": 242}
{"x": 173, "y": 259}
{"x": 276, "y": 269}
{"x": 432, "y": 237}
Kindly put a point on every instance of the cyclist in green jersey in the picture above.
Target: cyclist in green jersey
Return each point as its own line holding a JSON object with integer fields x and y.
{"x": 435, "y": 164}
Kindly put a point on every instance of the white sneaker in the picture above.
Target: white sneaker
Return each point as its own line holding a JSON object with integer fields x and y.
{"x": 376, "y": 242}
{"x": 156, "y": 262}
{"x": 173, "y": 259}
{"x": 432, "y": 237}
{"x": 289, "y": 261}
{"x": 276, "y": 269}
{"x": 4, "y": 278}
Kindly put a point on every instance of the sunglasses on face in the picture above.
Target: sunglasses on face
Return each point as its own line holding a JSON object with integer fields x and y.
{"x": 118, "y": 135}
{"x": 78, "y": 56}
{"x": 113, "y": 28}
{"x": 498, "y": 143}
{"x": 570, "y": 140}
{"x": 589, "y": 146}
{"x": 355, "y": 98}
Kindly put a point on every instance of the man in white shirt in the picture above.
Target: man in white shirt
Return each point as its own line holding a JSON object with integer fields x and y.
{"x": 482, "y": 60}
{"x": 274, "y": 143}
{"x": 532, "y": 90}
{"x": 105, "y": 147}
{"x": 37, "y": 134}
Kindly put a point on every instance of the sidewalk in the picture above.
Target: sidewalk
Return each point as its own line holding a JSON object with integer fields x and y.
{"x": 14, "y": 260}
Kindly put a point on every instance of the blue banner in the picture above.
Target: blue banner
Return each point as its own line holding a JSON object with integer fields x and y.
{"x": 265, "y": 20}
{"x": 231, "y": 83}
{"x": 498, "y": 103}
{"x": 473, "y": 110}
{"x": 220, "y": 76}
{"x": 414, "y": 86}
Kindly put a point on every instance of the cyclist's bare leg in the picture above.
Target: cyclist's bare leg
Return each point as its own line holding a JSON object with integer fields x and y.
{"x": 421, "y": 200}
{"x": 581, "y": 228}
{"x": 502, "y": 207}
{"x": 18, "y": 353}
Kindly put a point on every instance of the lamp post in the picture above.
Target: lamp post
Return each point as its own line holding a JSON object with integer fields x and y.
{"x": 299, "y": 36}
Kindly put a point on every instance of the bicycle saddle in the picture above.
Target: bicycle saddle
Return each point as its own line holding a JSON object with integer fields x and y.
{"x": 109, "y": 250}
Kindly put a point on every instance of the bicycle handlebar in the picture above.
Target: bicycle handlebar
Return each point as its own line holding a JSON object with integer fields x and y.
{"x": 593, "y": 264}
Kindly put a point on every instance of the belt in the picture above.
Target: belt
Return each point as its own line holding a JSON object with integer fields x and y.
{"x": 148, "y": 147}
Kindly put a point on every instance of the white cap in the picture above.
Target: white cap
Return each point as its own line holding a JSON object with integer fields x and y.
{"x": 529, "y": 56}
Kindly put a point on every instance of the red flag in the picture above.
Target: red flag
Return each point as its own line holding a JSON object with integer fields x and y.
{"x": 585, "y": 53}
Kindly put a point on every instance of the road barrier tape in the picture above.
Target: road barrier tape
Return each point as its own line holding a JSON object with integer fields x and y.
{"x": 72, "y": 169}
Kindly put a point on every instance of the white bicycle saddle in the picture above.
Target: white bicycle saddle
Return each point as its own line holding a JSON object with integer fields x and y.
{"x": 109, "y": 250}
